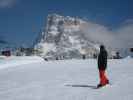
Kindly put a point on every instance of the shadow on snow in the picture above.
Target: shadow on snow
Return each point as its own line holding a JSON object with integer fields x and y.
{"x": 82, "y": 86}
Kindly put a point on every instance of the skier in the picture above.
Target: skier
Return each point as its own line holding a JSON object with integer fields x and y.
{"x": 102, "y": 66}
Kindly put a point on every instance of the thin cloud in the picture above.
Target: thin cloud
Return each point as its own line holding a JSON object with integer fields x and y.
{"x": 121, "y": 37}
{"x": 7, "y": 3}
{"x": 125, "y": 35}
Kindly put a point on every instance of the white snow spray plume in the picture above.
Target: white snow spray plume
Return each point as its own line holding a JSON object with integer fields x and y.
{"x": 121, "y": 37}
{"x": 7, "y": 3}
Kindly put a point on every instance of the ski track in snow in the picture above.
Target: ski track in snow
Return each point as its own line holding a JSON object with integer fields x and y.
{"x": 64, "y": 80}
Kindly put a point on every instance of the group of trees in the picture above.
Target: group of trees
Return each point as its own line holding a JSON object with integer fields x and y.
{"x": 21, "y": 51}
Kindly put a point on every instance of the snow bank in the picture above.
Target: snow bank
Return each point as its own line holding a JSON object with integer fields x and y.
{"x": 13, "y": 61}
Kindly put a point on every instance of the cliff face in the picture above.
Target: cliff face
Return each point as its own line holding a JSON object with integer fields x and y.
{"x": 64, "y": 39}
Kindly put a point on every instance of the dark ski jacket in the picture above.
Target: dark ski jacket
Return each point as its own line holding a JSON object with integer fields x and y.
{"x": 102, "y": 59}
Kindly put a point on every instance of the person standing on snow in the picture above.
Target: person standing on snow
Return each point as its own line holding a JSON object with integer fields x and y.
{"x": 102, "y": 66}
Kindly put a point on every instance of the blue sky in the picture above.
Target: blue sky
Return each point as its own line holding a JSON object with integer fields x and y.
{"x": 22, "y": 20}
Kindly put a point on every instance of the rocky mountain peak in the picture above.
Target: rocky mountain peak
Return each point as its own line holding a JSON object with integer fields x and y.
{"x": 63, "y": 38}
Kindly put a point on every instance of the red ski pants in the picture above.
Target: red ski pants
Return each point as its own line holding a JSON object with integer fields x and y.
{"x": 103, "y": 78}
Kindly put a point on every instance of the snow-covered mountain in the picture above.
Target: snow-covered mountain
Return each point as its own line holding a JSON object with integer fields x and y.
{"x": 63, "y": 38}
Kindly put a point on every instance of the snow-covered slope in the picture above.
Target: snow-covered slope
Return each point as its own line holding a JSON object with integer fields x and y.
{"x": 66, "y": 80}
{"x": 13, "y": 61}
{"x": 63, "y": 38}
